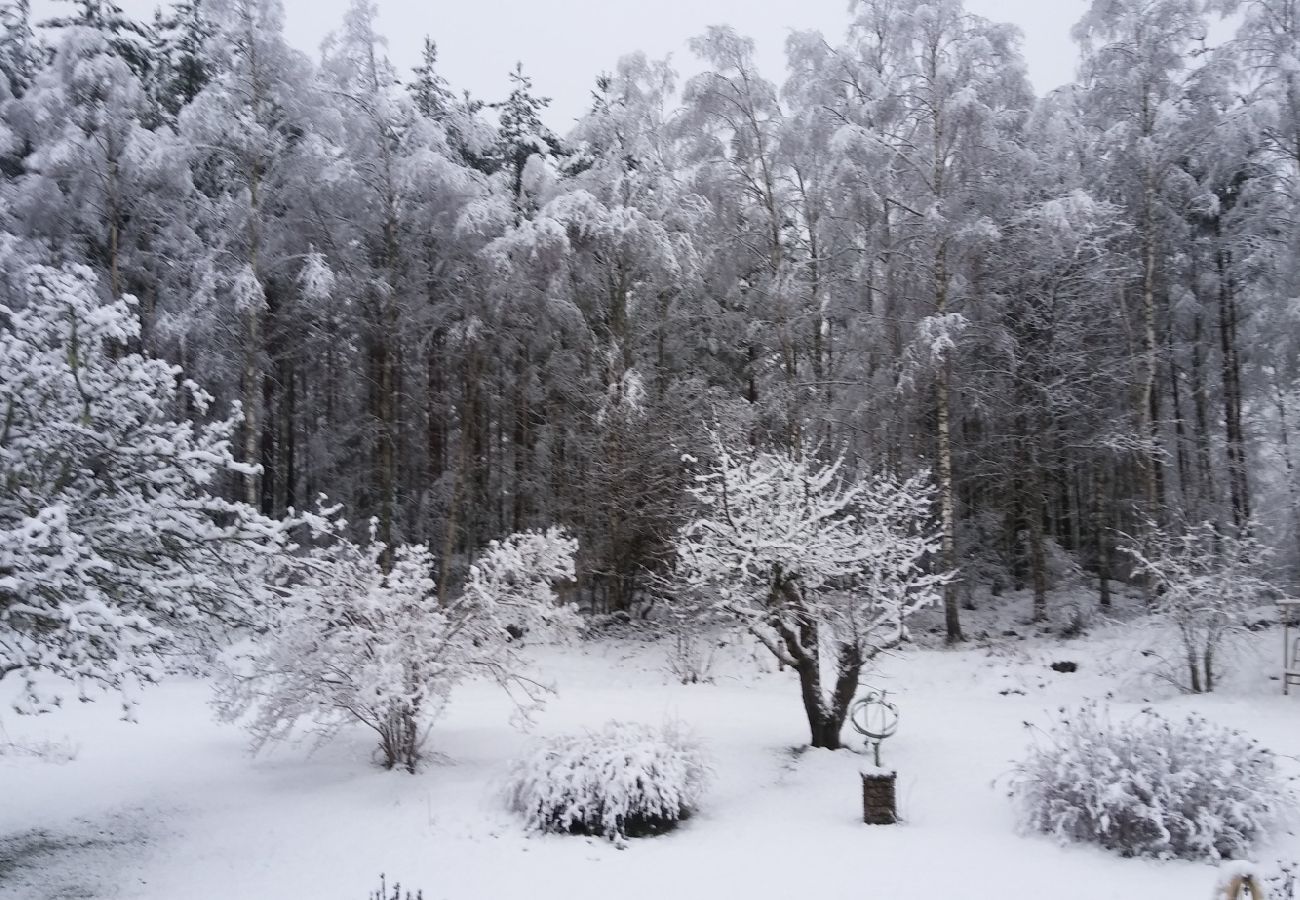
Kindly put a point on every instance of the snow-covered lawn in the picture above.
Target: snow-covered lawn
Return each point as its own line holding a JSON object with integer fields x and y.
{"x": 174, "y": 807}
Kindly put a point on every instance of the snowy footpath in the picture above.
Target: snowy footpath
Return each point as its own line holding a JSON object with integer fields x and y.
{"x": 174, "y": 806}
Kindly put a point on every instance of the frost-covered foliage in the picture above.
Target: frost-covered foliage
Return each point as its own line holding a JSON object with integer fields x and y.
{"x": 627, "y": 780}
{"x": 814, "y": 562}
{"x": 357, "y": 636}
{"x": 1150, "y": 786}
{"x": 1204, "y": 581}
{"x": 115, "y": 557}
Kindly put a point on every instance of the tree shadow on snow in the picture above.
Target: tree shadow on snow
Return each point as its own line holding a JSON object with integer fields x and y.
{"x": 77, "y": 864}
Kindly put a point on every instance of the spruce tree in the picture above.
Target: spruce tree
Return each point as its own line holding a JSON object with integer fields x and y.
{"x": 522, "y": 132}
{"x": 429, "y": 90}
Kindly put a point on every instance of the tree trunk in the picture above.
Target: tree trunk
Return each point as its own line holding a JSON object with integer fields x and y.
{"x": 826, "y": 719}
{"x": 803, "y": 646}
{"x": 948, "y": 512}
{"x": 251, "y": 375}
{"x": 947, "y": 498}
{"x": 1238, "y": 486}
{"x": 382, "y": 415}
{"x": 251, "y": 388}
{"x": 1288, "y": 458}
{"x": 461, "y": 481}
{"x": 521, "y": 441}
{"x": 1037, "y": 555}
{"x": 1148, "y": 398}
{"x": 1185, "y": 487}
{"x": 1101, "y": 529}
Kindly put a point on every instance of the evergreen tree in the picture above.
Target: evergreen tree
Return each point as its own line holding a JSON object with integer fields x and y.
{"x": 522, "y": 134}
{"x": 432, "y": 95}
{"x": 185, "y": 34}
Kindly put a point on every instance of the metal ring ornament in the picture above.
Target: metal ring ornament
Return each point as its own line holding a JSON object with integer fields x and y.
{"x": 874, "y": 717}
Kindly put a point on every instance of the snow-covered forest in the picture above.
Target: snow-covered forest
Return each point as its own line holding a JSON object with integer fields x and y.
{"x": 340, "y": 391}
{"x": 1075, "y": 310}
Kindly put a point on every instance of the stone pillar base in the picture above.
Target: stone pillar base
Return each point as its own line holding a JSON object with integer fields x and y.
{"x": 879, "y": 798}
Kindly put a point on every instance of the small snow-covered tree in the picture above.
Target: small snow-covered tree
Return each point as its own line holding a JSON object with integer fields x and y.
{"x": 821, "y": 567}
{"x": 1204, "y": 582}
{"x": 353, "y": 640}
{"x": 114, "y": 553}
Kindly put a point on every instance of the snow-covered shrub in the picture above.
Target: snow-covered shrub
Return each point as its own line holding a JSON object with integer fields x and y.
{"x": 689, "y": 630}
{"x": 627, "y": 780}
{"x": 1150, "y": 786}
{"x": 393, "y": 893}
{"x": 691, "y": 655}
{"x": 357, "y": 637}
{"x": 118, "y": 560}
{"x": 1204, "y": 582}
{"x": 1079, "y": 619}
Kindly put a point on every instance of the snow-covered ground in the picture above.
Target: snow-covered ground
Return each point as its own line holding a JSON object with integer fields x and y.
{"x": 174, "y": 807}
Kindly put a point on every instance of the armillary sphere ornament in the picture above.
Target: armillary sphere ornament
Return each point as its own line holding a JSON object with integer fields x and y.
{"x": 875, "y": 718}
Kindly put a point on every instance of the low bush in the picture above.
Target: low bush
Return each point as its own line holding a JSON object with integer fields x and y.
{"x": 627, "y": 780}
{"x": 384, "y": 892}
{"x": 1150, "y": 786}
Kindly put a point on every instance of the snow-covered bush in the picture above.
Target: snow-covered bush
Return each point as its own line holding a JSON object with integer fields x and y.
{"x": 1204, "y": 582}
{"x": 116, "y": 559}
{"x": 393, "y": 893}
{"x": 691, "y": 655}
{"x": 355, "y": 637}
{"x": 627, "y": 780}
{"x": 689, "y": 630}
{"x": 1150, "y": 786}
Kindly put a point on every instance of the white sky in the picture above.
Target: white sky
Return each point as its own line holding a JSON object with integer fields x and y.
{"x": 565, "y": 44}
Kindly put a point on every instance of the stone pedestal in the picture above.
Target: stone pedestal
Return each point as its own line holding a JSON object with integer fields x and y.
{"x": 879, "y": 798}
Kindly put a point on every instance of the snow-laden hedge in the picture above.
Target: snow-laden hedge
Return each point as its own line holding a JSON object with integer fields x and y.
{"x": 1150, "y": 786}
{"x": 627, "y": 780}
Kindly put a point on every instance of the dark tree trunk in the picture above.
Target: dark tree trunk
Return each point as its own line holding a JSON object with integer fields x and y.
{"x": 1100, "y": 524}
{"x": 1037, "y": 558}
{"x": 1183, "y": 463}
{"x": 1238, "y": 484}
{"x": 826, "y": 719}
{"x": 826, "y": 715}
{"x": 1206, "y": 489}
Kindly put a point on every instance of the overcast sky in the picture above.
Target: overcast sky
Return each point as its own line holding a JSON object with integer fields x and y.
{"x": 564, "y": 44}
